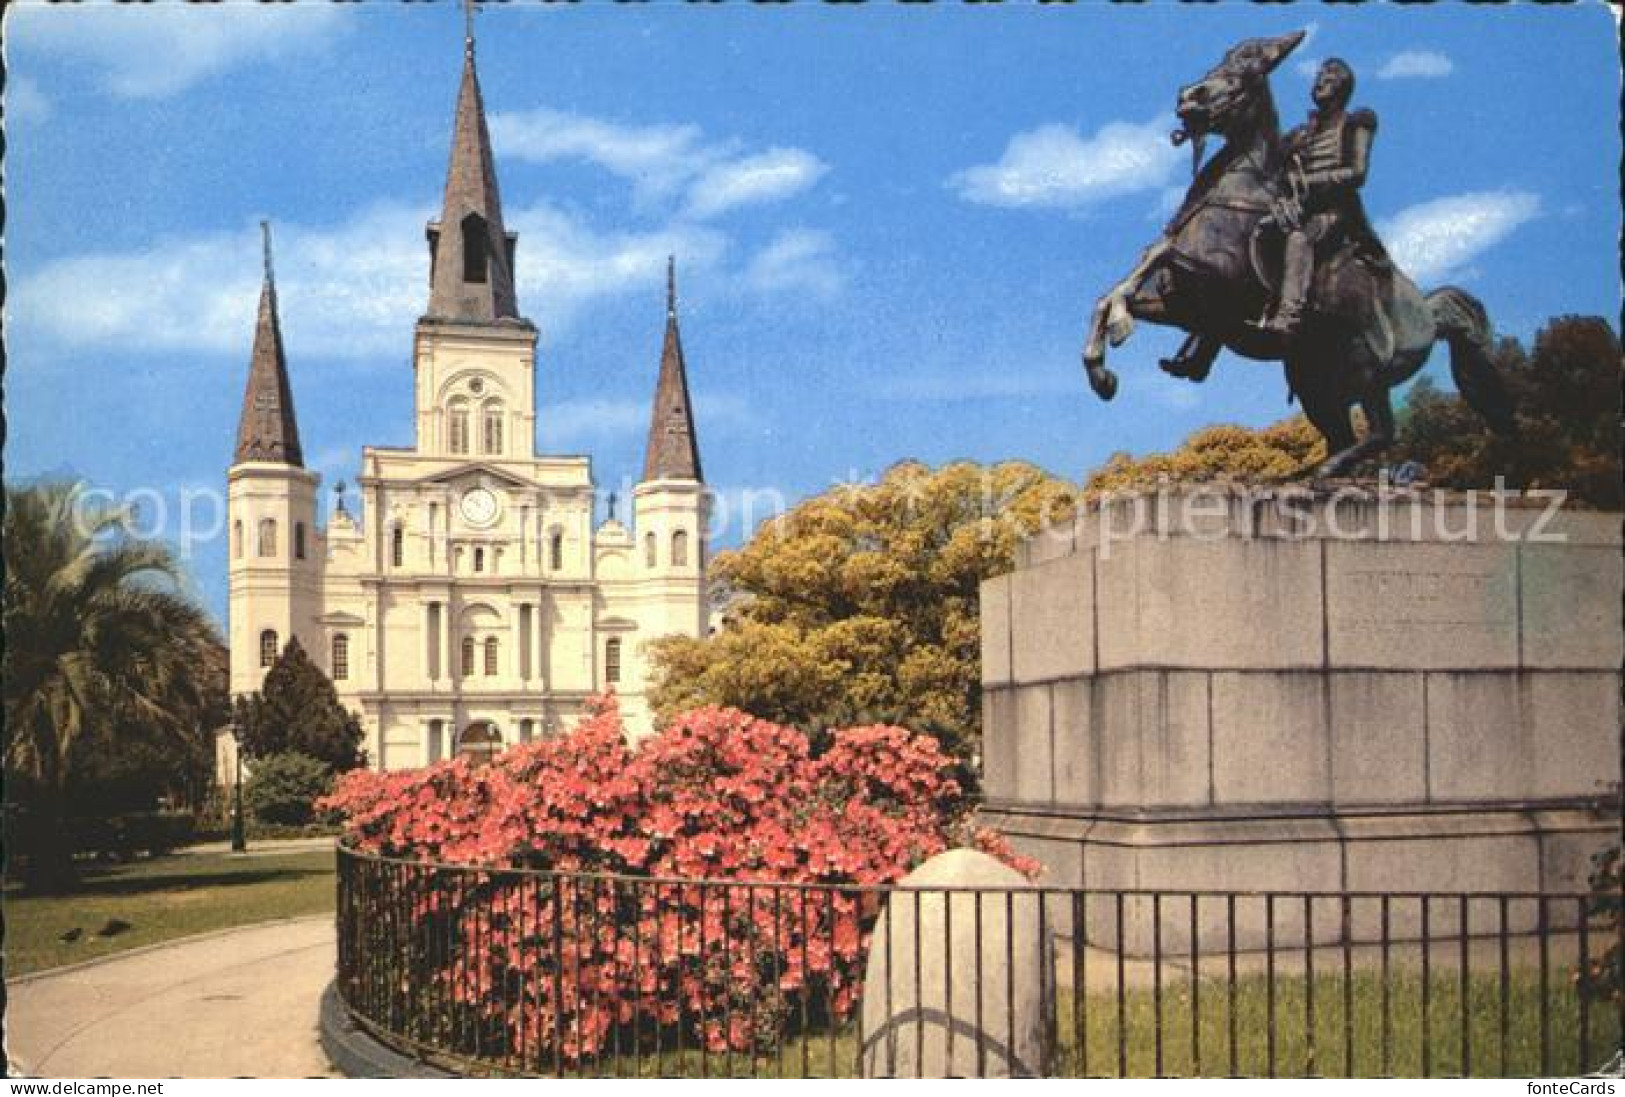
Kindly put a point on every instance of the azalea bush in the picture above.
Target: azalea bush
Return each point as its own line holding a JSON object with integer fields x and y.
{"x": 564, "y": 964}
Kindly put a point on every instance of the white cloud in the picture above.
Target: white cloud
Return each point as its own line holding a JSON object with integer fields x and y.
{"x": 565, "y": 264}
{"x": 1416, "y": 64}
{"x": 1437, "y": 239}
{"x": 26, "y": 104}
{"x": 1054, "y": 166}
{"x": 765, "y": 177}
{"x": 660, "y": 160}
{"x": 346, "y": 291}
{"x": 655, "y": 159}
{"x": 797, "y": 261}
{"x": 353, "y": 290}
{"x": 154, "y": 50}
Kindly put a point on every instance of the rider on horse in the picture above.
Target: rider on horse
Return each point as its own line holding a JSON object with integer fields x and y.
{"x": 1211, "y": 272}
{"x": 1320, "y": 208}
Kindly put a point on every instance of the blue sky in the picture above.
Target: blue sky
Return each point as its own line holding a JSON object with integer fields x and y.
{"x": 891, "y": 220}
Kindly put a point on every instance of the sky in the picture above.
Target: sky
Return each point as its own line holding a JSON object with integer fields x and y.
{"x": 890, "y": 220}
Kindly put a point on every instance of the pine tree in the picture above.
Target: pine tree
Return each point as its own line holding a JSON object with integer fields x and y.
{"x": 298, "y": 710}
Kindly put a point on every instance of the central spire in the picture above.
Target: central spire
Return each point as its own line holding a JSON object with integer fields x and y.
{"x": 471, "y": 275}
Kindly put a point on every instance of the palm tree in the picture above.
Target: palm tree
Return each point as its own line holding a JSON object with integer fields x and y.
{"x": 98, "y": 634}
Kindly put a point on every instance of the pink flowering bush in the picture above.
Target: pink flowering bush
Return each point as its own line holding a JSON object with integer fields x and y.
{"x": 545, "y": 965}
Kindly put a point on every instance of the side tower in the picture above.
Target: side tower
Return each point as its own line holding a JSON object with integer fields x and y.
{"x": 670, "y": 506}
{"x": 275, "y": 556}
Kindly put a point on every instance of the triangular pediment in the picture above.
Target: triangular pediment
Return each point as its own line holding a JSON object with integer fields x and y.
{"x": 339, "y": 617}
{"x": 477, "y": 470}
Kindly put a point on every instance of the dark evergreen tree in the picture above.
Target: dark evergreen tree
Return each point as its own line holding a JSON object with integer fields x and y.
{"x": 297, "y": 710}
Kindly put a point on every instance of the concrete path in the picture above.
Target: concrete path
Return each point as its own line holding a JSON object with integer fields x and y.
{"x": 237, "y": 1003}
{"x": 267, "y": 847}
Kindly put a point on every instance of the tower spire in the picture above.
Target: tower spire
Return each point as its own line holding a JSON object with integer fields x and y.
{"x": 471, "y": 252}
{"x": 267, "y": 430}
{"x": 673, "y": 452}
{"x": 265, "y": 244}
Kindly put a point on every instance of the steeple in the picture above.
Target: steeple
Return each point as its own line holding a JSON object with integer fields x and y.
{"x": 267, "y": 430}
{"x": 673, "y": 452}
{"x": 471, "y": 253}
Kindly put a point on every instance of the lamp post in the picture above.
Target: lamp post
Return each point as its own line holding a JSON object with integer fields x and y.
{"x": 239, "y": 833}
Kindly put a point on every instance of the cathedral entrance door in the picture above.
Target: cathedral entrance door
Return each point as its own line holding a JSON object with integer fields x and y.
{"x": 479, "y": 742}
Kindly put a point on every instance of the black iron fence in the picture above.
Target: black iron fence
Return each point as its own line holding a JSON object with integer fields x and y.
{"x": 510, "y": 971}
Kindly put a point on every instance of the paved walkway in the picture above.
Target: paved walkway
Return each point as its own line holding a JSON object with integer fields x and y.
{"x": 260, "y": 847}
{"x": 233, "y": 1004}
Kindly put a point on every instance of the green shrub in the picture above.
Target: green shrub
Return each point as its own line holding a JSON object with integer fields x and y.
{"x": 282, "y": 788}
{"x": 124, "y": 837}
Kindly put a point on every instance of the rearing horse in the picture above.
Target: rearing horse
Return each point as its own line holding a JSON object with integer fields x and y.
{"x": 1210, "y": 275}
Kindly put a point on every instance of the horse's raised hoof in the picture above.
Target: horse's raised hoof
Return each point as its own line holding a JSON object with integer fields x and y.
{"x": 1102, "y": 380}
{"x": 1186, "y": 368}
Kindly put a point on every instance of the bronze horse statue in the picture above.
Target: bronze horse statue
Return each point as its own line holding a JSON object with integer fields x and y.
{"x": 1214, "y": 271}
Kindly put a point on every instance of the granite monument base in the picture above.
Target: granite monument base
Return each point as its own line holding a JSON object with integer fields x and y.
{"x": 1246, "y": 690}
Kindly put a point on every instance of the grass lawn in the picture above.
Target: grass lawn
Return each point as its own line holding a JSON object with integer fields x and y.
{"x": 161, "y": 899}
{"x": 1497, "y": 1042}
{"x": 1295, "y": 1054}
{"x": 1206, "y": 1053}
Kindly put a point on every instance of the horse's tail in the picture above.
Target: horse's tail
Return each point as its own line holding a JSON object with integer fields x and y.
{"x": 1460, "y": 320}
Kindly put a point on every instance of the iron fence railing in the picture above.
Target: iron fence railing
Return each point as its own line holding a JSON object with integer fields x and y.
{"x": 528, "y": 972}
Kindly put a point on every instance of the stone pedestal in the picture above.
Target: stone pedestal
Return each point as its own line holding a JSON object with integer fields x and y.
{"x": 1247, "y": 690}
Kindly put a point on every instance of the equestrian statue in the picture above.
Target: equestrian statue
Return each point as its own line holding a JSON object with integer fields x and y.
{"x": 1271, "y": 256}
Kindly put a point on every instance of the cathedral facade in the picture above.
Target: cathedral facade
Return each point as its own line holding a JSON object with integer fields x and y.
{"x": 473, "y": 602}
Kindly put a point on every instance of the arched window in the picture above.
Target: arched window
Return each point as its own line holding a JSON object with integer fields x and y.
{"x": 457, "y": 426}
{"x": 468, "y": 657}
{"x": 490, "y": 656}
{"x": 649, "y": 549}
{"x": 397, "y": 546}
{"x": 476, "y": 244}
{"x": 679, "y": 549}
{"x": 555, "y": 550}
{"x": 341, "y": 656}
{"x": 491, "y": 428}
{"x": 479, "y": 559}
{"x": 527, "y": 730}
{"x": 267, "y": 537}
{"x": 612, "y": 661}
{"x": 237, "y": 539}
{"x": 479, "y": 742}
{"x": 298, "y": 540}
{"x": 268, "y": 647}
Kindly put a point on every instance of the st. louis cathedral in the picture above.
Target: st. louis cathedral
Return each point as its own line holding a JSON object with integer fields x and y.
{"x": 472, "y": 604}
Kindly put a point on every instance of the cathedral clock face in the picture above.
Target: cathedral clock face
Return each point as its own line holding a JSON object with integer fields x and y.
{"x": 480, "y": 507}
